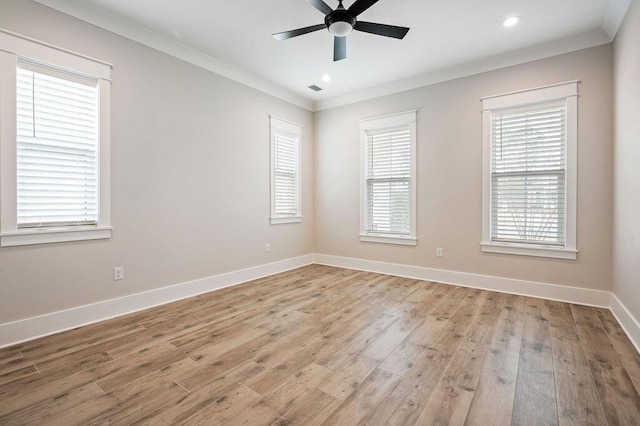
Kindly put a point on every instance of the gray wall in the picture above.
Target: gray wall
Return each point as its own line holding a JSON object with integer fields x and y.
{"x": 449, "y": 136}
{"x": 190, "y": 178}
{"x": 626, "y": 181}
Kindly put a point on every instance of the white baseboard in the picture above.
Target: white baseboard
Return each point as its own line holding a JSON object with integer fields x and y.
{"x": 55, "y": 322}
{"x": 629, "y": 323}
{"x": 581, "y": 296}
{"x": 560, "y": 293}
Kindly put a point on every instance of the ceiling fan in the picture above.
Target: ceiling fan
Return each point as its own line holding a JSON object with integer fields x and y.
{"x": 341, "y": 22}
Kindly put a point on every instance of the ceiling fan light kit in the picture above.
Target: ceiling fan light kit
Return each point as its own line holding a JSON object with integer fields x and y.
{"x": 340, "y": 22}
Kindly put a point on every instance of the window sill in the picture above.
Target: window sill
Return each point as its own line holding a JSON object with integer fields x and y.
{"x": 389, "y": 239}
{"x": 53, "y": 235}
{"x": 527, "y": 250}
{"x": 291, "y": 219}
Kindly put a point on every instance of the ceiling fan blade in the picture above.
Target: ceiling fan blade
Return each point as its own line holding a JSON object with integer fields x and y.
{"x": 339, "y": 48}
{"x": 360, "y": 6}
{"x": 381, "y": 29}
{"x": 300, "y": 31}
{"x": 321, "y": 6}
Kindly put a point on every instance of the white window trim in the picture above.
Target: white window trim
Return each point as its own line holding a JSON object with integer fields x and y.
{"x": 12, "y": 48}
{"x": 567, "y": 91}
{"x": 403, "y": 119}
{"x": 278, "y": 124}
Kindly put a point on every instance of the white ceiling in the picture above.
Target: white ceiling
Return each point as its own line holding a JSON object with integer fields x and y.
{"x": 233, "y": 37}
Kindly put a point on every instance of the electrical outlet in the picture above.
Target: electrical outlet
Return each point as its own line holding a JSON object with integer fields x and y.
{"x": 118, "y": 273}
{"x": 439, "y": 252}
{"x": 267, "y": 248}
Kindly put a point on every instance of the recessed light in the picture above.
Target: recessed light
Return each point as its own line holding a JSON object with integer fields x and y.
{"x": 511, "y": 21}
{"x": 326, "y": 78}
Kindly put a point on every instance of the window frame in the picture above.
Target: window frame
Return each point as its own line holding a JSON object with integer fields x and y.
{"x": 402, "y": 120}
{"x": 567, "y": 93}
{"x": 14, "y": 49}
{"x": 276, "y": 126}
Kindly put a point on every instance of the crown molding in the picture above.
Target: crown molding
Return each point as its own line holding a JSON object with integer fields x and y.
{"x": 616, "y": 11}
{"x": 99, "y": 17}
{"x": 554, "y": 48}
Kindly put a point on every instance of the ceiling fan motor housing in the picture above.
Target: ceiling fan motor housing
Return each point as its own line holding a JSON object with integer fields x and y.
{"x": 340, "y": 22}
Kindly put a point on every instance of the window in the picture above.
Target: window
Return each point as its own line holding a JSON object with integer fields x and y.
{"x": 54, "y": 144}
{"x": 285, "y": 172}
{"x": 529, "y": 182}
{"x": 388, "y": 190}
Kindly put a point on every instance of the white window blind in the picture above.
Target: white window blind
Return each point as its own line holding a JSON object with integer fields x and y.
{"x": 55, "y": 146}
{"x": 57, "y": 149}
{"x": 285, "y": 171}
{"x": 528, "y": 165}
{"x": 285, "y": 174}
{"x": 388, "y": 182}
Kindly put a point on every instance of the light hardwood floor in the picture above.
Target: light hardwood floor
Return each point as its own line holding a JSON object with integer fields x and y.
{"x": 324, "y": 345}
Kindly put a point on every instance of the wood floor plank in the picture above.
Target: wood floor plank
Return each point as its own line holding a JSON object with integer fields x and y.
{"x": 74, "y": 407}
{"x": 290, "y": 393}
{"x": 32, "y": 390}
{"x": 10, "y": 361}
{"x": 407, "y": 401}
{"x": 17, "y": 374}
{"x": 85, "y": 359}
{"x": 576, "y": 393}
{"x": 619, "y": 397}
{"x": 260, "y": 413}
{"x": 312, "y": 408}
{"x": 119, "y": 373}
{"x": 223, "y": 409}
{"x": 412, "y": 322}
{"x": 213, "y": 347}
{"x": 492, "y": 403}
{"x": 446, "y": 309}
{"x": 492, "y": 308}
{"x": 326, "y": 345}
{"x": 535, "y": 401}
{"x": 494, "y": 396}
{"x": 260, "y": 349}
{"x": 504, "y": 354}
{"x": 75, "y": 341}
{"x": 629, "y": 356}
{"x": 380, "y": 346}
{"x": 451, "y": 401}
{"x": 403, "y": 358}
{"x": 201, "y": 376}
{"x": 424, "y": 290}
{"x": 346, "y": 379}
{"x": 359, "y": 406}
{"x": 354, "y": 343}
{"x": 271, "y": 378}
{"x": 448, "y": 339}
{"x": 406, "y": 404}
{"x": 138, "y": 400}
{"x": 198, "y": 403}
{"x": 9, "y": 356}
